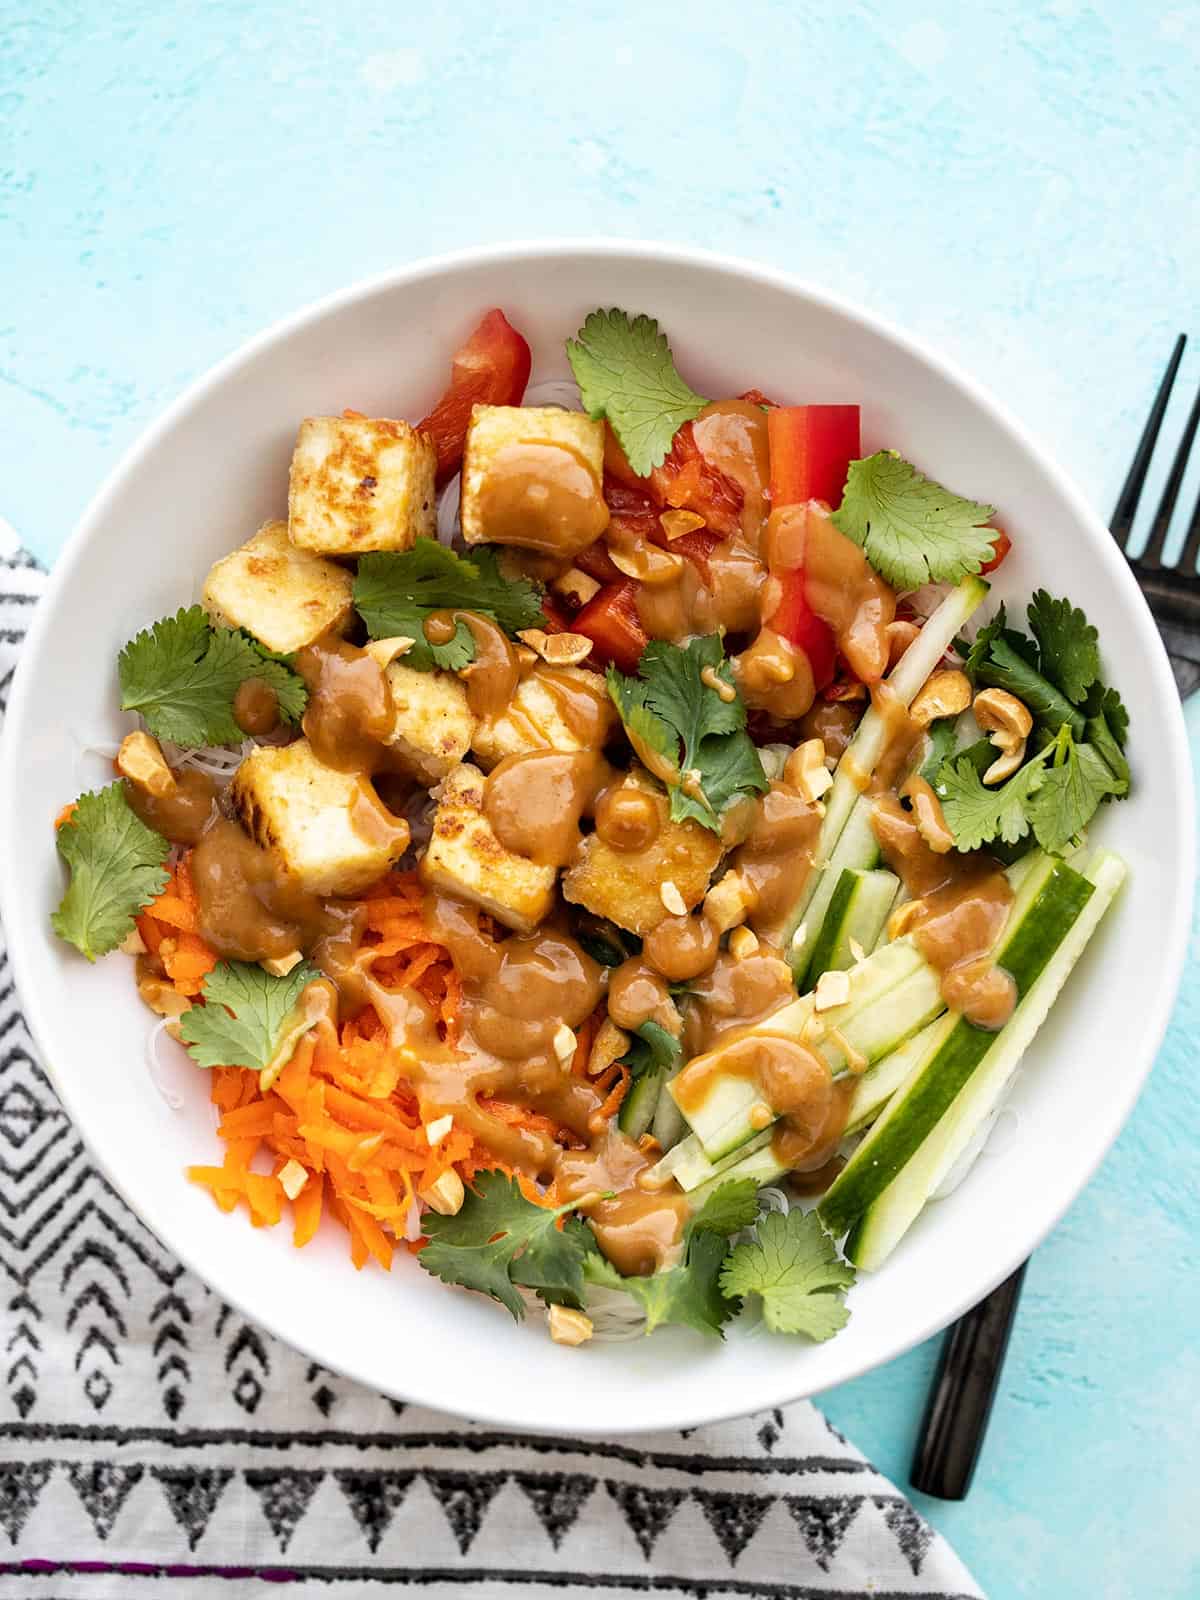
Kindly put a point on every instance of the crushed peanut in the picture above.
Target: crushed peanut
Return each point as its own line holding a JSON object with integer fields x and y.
{"x": 833, "y": 989}
{"x": 672, "y": 899}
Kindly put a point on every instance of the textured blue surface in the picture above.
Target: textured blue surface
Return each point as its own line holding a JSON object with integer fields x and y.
{"x": 1016, "y": 182}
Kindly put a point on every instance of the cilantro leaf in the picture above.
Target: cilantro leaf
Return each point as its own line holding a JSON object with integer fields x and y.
{"x": 729, "y": 1208}
{"x": 977, "y": 815}
{"x": 625, "y": 372}
{"x": 795, "y": 1267}
{"x": 249, "y": 1018}
{"x": 1107, "y": 703}
{"x": 1069, "y": 645}
{"x": 1007, "y": 668}
{"x": 499, "y": 1239}
{"x": 1069, "y": 794}
{"x": 975, "y": 651}
{"x": 182, "y": 674}
{"x": 394, "y": 593}
{"x": 911, "y": 529}
{"x": 116, "y": 867}
{"x": 685, "y": 731}
{"x": 689, "y": 1294}
{"x": 652, "y": 1050}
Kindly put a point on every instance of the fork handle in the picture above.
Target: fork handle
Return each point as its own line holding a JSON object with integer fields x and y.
{"x": 960, "y": 1401}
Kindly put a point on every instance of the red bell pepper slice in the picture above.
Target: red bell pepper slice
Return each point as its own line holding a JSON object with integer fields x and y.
{"x": 610, "y": 620}
{"x": 1000, "y": 549}
{"x": 811, "y": 451}
{"x": 491, "y": 369}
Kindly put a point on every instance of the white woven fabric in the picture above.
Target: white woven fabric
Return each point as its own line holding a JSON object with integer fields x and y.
{"x": 151, "y": 1439}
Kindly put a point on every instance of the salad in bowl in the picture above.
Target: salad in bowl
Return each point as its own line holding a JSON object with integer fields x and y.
{"x": 595, "y": 847}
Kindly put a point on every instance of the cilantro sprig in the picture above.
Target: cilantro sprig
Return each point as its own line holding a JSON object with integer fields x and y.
{"x": 499, "y": 1240}
{"x": 690, "y": 1292}
{"x": 625, "y": 372}
{"x": 249, "y": 1018}
{"x": 395, "y": 592}
{"x": 181, "y": 674}
{"x": 1080, "y": 725}
{"x": 912, "y": 530}
{"x": 793, "y": 1266}
{"x": 652, "y": 1049}
{"x": 686, "y": 731}
{"x": 117, "y": 868}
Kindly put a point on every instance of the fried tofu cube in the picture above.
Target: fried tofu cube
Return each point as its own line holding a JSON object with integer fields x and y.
{"x": 284, "y": 596}
{"x": 328, "y": 831}
{"x": 434, "y": 725}
{"x": 466, "y": 859}
{"x": 636, "y": 889}
{"x": 561, "y": 513}
{"x": 554, "y": 708}
{"x": 360, "y": 484}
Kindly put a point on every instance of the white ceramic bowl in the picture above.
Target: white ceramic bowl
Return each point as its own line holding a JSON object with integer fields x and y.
{"x": 216, "y": 466}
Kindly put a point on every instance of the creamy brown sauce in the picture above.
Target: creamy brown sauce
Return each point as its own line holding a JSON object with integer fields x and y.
{"x": 775, "y": 676}
{"x": 726, "y": 596}
{"x": 535, "y": 801}
{"x": 350, "y": 715}
{"x": 834, "y": 723}
{"x": 732, "y": 995}
{"x": 839, "y": 585}
{"x": 681, "y": 947}
{"x": 628, "y": 818}
{"x": 181, "y": 815}
{"x": 256, "y": 706}
{"x": 543, "y": 497}
{"x": 777, "y": 856}
{"x": 961, "y": 903}
{"x": 637, "y": 993}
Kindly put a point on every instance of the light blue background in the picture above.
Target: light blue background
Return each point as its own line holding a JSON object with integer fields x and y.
{"x": 1018, "y": 183}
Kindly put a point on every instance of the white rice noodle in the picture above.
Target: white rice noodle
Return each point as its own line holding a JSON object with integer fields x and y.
{"x": 447, "y": 511}
{"x": 156, "y": 1066}
{"x": 967, "y": 1159}
{"x": 220, "y": 762}
{"x": 562, "y": 392}
{"x": 923, "y": 602}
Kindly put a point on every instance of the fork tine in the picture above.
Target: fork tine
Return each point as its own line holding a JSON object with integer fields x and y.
{"x": 1152, "y": 555}
{"x": 1127, "y": 501}
{"x": 1191, "y": 545}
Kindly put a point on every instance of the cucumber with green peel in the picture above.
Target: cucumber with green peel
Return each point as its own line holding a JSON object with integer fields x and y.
{"x": 857, "y": 850}
{"x": 1048, "y": 902}
{"x": 723, "y": 1119}
{"x": 638, "y": 1107}
{"x": 857, "y": 911}
{"x": 883, "y": 1027}
{"x": 883, "y": 1077}
{"x": 864, "y": 750}
{"x": 761, "y": 1166}
{"x": 881, "y": 1226}
{"x": 690, "y": 1167}
{"x": 668, "y": 1126}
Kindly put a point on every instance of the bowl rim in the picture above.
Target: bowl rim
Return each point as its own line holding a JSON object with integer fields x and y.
{"x": 749, "y": 275}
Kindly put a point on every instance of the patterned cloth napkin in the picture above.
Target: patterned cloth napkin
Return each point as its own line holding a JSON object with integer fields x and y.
{"x": 148, "y": 1432}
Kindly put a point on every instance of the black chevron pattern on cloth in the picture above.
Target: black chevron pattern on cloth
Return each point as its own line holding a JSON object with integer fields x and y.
{"x": 151, "y": 1433}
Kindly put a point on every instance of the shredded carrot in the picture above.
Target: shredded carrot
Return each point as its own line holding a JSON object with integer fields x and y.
{"x": 615, "y": 1094}
{"x": 341, "y": 1108}
{"x": 65, "y": 815}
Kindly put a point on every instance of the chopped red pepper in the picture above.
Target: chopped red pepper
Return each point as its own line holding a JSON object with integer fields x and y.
{"x": 1000, "y": 549}
{"x": 491, "y": 369}
{"x": 811, "y": 451}
{"x": 756, "y": 397}
{"x": 688, "y": 481}
{"x": 610, "y": 620}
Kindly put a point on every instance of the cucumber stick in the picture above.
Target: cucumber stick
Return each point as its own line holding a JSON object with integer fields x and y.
{"x": 880, "y": 1081}
{"x": 761, "y": 1166}
{"x": 865, "y": 749}
{"x": 885, "y": 1221}
{"x": 690, "y": 1167}
{"x": 858, "y": 909}
{"x": 722, "y": 1120}
{"x": 1049, "y": 901}
{"x": 637, "y": 1108}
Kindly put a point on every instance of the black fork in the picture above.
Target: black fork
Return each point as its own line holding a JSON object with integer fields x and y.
{"x": 972, "y": 1358}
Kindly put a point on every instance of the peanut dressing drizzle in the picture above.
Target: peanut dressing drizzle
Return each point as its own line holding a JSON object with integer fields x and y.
{"x": 543, "y": 497}
{"x": 961, "y": 904}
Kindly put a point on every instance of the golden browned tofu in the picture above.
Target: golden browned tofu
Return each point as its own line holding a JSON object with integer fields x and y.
{"x": 284, "y": 596}
{"x": 554, "y": 708}
{"x": 532, "y": 477}
{"x": 466, "y": 859}
{"x": 434, "y": 724}
{"x": 636, "y": 889}
{"x": 327, "y": 830}
{"x": 359, "y": 484}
